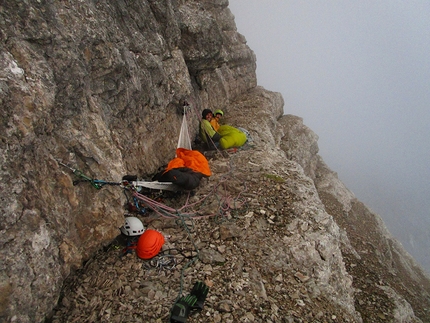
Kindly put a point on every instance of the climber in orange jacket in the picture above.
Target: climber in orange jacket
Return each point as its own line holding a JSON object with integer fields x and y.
{"x": 215, "y": 120}
{"x": 207, "y": 133}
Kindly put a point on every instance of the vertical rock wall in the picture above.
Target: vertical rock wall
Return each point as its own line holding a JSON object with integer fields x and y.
{"x": 97, "y": 85}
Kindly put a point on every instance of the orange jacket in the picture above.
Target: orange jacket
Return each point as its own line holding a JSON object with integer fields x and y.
{"x": 192, "y": 159}
{"x": 215, "y": 124}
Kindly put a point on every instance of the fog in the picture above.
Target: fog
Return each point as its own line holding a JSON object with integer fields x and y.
{"x": 358, "y": 73}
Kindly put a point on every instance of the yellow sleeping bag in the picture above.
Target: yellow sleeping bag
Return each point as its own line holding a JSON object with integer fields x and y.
{"x": 231, "y": 137}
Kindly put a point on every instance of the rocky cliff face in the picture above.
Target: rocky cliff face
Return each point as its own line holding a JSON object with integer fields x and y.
{"x": 99, "y": 86}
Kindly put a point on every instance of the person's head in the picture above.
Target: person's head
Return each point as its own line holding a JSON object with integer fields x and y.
{"x": 207, "y": 114}
{"x": 218, "y": 114}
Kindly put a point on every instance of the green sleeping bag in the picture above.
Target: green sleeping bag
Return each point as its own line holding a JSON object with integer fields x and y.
{"x": 231, "y": 137}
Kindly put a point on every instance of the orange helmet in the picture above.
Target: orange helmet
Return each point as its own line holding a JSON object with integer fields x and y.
{"x": 149, "y": 244}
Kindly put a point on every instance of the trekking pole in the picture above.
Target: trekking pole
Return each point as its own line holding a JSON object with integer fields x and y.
{"x": 78, "y": 173}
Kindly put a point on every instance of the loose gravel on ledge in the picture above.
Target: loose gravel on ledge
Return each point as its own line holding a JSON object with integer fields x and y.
{"x": 243, "y": 212}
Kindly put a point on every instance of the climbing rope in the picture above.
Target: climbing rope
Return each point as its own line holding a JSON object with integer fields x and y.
{"x": 188, "y": 211}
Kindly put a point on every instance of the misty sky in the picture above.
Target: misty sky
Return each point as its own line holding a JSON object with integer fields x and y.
{"x": 358, "y": 73}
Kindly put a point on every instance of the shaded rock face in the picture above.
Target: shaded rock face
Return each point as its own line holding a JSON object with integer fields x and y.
{"x": 100, "y": 86}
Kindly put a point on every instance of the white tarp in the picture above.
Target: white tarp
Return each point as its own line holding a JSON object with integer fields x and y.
{"x": 184, "y": 137}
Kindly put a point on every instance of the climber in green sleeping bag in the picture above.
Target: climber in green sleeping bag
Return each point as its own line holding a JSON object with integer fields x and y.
{"x": 231, "y": 137}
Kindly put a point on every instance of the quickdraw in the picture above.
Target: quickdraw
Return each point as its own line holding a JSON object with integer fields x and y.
{"x": 165, "y": 262}
{"x": 98, "y": 184}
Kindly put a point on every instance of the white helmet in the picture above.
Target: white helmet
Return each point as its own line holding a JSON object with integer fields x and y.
{"x": 132, "y": 226}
